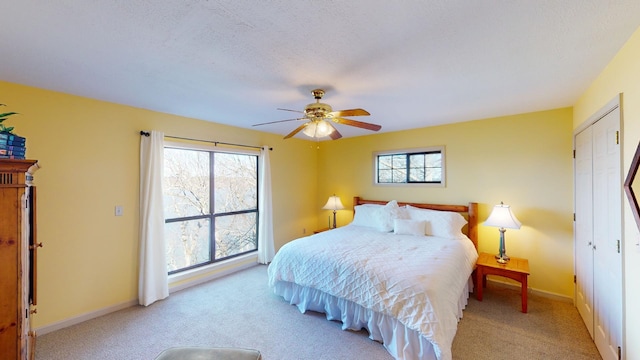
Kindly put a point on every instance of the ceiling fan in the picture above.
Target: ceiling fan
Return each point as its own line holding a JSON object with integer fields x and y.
{"x": 320, "y": 118}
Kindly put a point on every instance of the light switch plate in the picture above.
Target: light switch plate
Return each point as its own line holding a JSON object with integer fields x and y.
{"x": 119, "y": 210}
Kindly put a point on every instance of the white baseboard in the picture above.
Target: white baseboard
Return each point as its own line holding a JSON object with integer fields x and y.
{"x": 226, "y": 269}
{"x": 84, "y": 317}
{"x": 546, "y": 294}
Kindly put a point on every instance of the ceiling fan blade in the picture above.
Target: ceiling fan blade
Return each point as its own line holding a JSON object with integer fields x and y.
{"x": 275, "y": 122}
{"x": 359, "y": 124}
{"x": 297, "y": 130}
{"x": 298, "y": 111}
{"x": 350, "y": 112}
{"x": 335, "y": 134}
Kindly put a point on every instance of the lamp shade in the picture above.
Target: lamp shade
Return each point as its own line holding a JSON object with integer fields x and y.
{"x": 502, "y": 217}
{"x": 333, "y": 203}
{"x": 318, "y": 129}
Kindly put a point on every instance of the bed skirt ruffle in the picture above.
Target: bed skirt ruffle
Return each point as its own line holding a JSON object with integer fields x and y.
{"x": 401, "y": 342}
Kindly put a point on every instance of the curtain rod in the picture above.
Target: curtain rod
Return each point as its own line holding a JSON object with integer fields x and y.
{"x": 145, "y": 133}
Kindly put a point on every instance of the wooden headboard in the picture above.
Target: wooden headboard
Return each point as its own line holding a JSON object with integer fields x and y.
{"x": 470, "y": 212}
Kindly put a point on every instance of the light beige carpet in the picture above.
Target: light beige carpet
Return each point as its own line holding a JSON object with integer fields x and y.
{"x": 496, "y": 329}
{"x": 240, "y": 310}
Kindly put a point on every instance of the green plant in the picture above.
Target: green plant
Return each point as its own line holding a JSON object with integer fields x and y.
{"x": 3, "y": 117}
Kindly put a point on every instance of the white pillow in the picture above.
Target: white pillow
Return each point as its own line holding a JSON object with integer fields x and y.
{"x": 365, "y": 215}
{"x": 378, "y": 216}
{"x": 445, "y": 224}
{"x": 385, "y": 216}
{"x": 409, "y": 227}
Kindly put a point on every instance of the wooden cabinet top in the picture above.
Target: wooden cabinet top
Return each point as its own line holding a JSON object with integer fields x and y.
{"x": 13, "y": 172}
{"x": 14, "y": 165}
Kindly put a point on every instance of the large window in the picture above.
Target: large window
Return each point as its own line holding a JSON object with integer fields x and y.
{"x": 415, "y": 166}
{"x": 210, "y": 206}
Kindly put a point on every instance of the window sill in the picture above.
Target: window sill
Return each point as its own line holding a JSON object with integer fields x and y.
{"x": 203, "y": 274}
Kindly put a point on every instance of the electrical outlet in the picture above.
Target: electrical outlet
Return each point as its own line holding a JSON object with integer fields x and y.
{"x": 119, "y": 210}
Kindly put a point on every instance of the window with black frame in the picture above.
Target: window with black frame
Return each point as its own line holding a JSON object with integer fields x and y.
{"x": 416, "y": 166}
{"x": 210, "y": 206}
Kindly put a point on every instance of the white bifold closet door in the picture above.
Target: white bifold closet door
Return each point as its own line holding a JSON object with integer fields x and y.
{"x": 598, "y": 231}
{"x": 584, "y": 226}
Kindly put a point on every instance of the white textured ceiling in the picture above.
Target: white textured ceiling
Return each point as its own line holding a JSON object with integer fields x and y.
{"x": 410, "y": 63}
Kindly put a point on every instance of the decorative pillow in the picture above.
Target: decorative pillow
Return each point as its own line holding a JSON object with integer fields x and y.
{"x": 364, "y": 215}
{"x": 385, "y": 216}
{"x": 409, "y": 227}
{"x": 445, "y": 224}
{"x": 378, "y": 216}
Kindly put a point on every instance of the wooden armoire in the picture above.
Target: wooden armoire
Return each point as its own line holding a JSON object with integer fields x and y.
{"x": 18, "y": 249}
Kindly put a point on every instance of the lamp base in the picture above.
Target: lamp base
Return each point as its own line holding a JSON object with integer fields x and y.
{"x": 504, "y": 256}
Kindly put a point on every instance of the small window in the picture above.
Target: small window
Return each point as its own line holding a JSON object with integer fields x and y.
{"x": 415, "y": 166}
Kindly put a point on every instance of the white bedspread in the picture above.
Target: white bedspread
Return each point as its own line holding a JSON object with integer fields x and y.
{"x": 417, "y": 280}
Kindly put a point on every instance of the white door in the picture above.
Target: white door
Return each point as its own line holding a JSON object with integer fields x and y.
{"x": 607, "y": 235}
{"x": 584, "y": 226}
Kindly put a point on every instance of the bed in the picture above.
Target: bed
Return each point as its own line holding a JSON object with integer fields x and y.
{"x": 402, "y": 271}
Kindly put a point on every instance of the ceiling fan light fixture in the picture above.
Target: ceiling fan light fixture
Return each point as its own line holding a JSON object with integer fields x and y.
{"x": 320, "y": 119}
{"x": 318, "y": 129}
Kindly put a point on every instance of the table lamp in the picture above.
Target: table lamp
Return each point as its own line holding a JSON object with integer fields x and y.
{"x": 502, "y": 217}
{"x": 334, "y": 204}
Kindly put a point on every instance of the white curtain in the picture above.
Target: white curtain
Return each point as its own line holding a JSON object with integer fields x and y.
{"x": 266, "y": 249}
{"x": 153, "y": 282}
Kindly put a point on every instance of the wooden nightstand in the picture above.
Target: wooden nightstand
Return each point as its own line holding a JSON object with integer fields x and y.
{"x": 516, "y": 269}
{"x": 321, "y": 230}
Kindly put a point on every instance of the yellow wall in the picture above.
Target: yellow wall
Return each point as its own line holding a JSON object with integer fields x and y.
{"x": 89, "y": 153}
{"x": 524, "y": 160}
{"x": 622, "y": 75}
